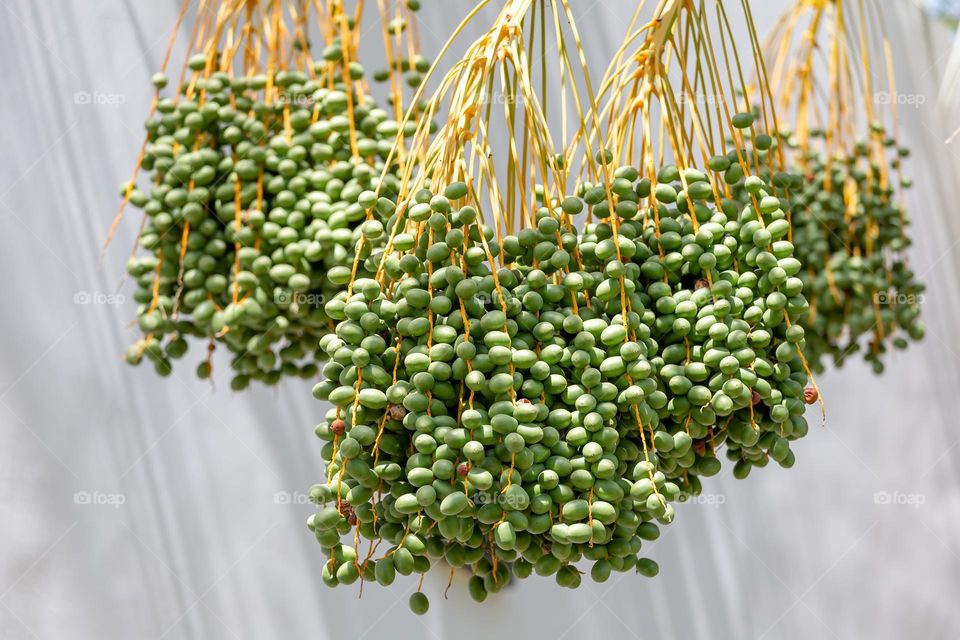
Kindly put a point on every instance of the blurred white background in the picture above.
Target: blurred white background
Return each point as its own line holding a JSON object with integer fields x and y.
{"x": 135, "y": 507}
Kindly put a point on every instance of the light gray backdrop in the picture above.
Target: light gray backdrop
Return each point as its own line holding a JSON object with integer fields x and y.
{"x": 135, "y": 507}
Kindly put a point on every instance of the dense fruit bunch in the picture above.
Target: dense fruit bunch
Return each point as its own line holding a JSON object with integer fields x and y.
{"x": 253, "y": 216}
{"x": 722, "y": 300}
{"x": 544, "y": 399}
{"x": 515, "y": 397}
{"x": 851, "y": 235}
{"x": 858, "y": 279}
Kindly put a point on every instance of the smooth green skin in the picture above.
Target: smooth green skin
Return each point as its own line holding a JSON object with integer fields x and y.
{"x": 419, "y": 603}
{"x": 295, "y": 251}
{"x": 846, "y": 281}
{"x": 539, "y": 460}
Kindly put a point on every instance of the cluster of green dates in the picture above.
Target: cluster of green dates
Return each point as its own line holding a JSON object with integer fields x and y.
{"x": 851, "y": 234}
{"x": 521, "y": 406}
{"x": 255, "y": 280}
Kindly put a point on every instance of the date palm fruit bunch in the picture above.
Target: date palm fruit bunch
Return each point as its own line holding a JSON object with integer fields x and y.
{"x": 532, "y": 390}
{"x": 488, "y": 391}
{"x": 253, "y": 212}
{"x": 719, "y": 288}
{"x": 850, "y": 226}
{"x": 490, "y": 415}
{"x": 853, "y": 242}
{"x": 487, "y": 409}
{"x": 720, "y": 272}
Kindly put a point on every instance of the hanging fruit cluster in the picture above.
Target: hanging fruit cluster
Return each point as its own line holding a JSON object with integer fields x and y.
{"x": 256, "y": 164}
{"x": 849, "y": 226}
{"x": 544, "y": 324}
{"x": 521, "y": 395}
